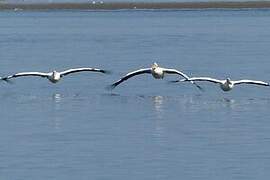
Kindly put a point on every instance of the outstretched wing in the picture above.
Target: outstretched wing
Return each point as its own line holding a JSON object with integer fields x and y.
{"x": 204, "y": 79}
{"x": 25, "y": 74}
{"x": 174, "y": 71}
{"x": 261, "y": 83}
{"x": 69, "y": 71}
{"x": 129, "y": 75}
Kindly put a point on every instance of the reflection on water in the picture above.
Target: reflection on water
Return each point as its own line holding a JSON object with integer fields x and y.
{"x": 57, "y": 98}
{"x": 158, "y": 106}
{"x": 160, "y": 120}
{"x": 57, "y": 119}
{"x": 229, "y": 103}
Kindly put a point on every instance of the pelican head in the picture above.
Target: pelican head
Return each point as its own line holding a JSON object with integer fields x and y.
{"x": 154, "y": 66}
{"x": 228, "y": 80}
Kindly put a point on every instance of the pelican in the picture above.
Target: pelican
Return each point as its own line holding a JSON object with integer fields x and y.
{"x": 227, "y": 84}
{"x": 156, "y": 71}
{"x": 53, "y": 76}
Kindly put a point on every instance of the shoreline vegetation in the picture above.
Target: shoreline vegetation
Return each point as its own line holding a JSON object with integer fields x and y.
{"x": 100, "y": 5}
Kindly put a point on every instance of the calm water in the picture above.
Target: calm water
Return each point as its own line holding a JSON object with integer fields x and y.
{"x": 145, "y": 128}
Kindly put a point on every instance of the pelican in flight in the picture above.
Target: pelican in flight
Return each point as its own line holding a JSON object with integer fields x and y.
{"x": 227, "y": 84}
{"x": 156, "y": 71}
{"x": 53, "y": 76}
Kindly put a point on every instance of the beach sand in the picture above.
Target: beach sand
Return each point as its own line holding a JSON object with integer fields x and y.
{"x": 130, "y": 5}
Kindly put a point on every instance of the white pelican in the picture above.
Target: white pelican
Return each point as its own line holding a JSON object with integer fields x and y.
{"x": 156, "y": 71}
{"x": 53, "y": 76}
{"x": 227, "y": 84}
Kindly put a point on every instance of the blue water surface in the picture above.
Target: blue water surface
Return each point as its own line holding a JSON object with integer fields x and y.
{"x": 145, "y": 128}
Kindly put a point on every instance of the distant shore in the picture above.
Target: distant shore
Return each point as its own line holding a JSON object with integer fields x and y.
{"x": 100, "y": 5}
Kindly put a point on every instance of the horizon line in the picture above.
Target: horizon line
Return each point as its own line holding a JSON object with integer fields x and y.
{"x": 101, "y": 5}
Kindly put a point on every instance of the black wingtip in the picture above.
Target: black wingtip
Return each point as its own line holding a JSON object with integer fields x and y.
{"x": 110, "y": 87}
{"x": 179, "y": 80}
{"x": 106, "y": 71}
{"x": 175, "y": 81}
{"x": 6, "y": 80}
{"x": 199, "y": 87}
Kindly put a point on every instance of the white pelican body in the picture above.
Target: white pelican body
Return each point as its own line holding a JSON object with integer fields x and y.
{"x": 54, "y": 76}
{"x": 227, "y": 84}
{"x": 156, "y": 71}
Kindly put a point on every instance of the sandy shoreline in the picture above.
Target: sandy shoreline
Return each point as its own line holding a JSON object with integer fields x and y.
{"x": 139, "y": 5}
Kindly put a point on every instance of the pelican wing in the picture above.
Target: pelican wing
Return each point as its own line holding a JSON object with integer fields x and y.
{"x": 25, "y": 74}
{"x": 174, "y": 71}
{"x": 69, "y": 71}
{"x": 129, "y": 75}
{"x": 261, "y": 83}
{"x": 205, "y": 79}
